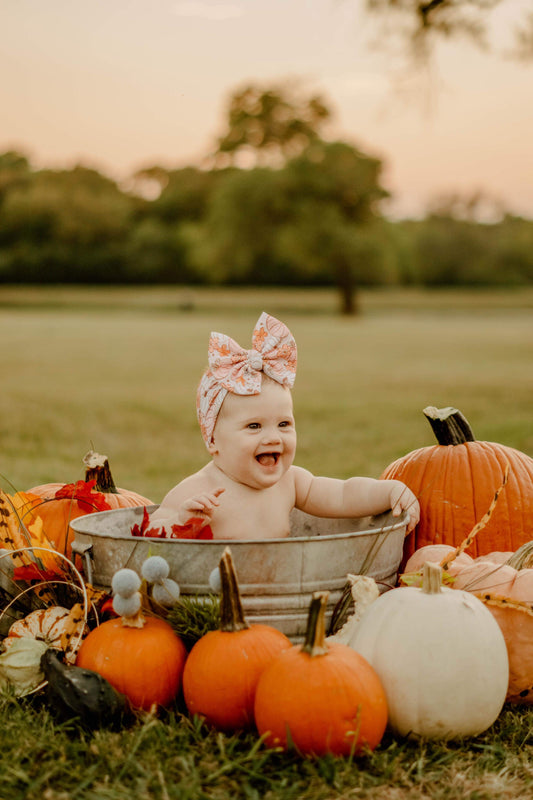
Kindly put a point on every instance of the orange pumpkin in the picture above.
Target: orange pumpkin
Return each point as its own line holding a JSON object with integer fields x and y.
{"x": 455, "y": 481}
{"x": 57, "y": 504}
{"x": 224, "y": 666}
{"x": 504, "y": 581}
{"x": 142, "y": 659}
{"x": 322, "y": 697}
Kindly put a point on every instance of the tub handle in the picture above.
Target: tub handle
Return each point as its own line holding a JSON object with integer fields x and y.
{"x": 84, "y": 549}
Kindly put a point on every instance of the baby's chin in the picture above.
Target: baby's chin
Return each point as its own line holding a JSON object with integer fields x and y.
{"x": 261, "y": 476}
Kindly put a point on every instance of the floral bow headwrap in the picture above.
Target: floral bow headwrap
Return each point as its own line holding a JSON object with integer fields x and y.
{"x": 232, "y": 369}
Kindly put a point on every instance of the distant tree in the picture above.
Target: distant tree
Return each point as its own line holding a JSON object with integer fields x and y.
{"x": 307, "y": 222}
{"x": 453, "y": 252}
{"x": 14, "y": 171}
{"x": 335, "y": 192}
{"x": 64, "y": 225}
{"x": 420, "y": 23}
{"x": 240, "y": 236}
{"x": 184, "y": 194}
{"x": 270, "y": 123}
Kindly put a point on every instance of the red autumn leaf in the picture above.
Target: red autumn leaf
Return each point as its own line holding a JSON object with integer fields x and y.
{"x": 140, "y": 530}
{"x": 107, "y": 608}
{"x": 84, "y": 494}
{"x": 31, "y": 572}
{"x": 193, "y": 529}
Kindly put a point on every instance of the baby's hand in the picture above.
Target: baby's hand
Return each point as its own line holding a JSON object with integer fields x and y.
{"x": 403, "y": 499}
{"x": 201, "y": 506}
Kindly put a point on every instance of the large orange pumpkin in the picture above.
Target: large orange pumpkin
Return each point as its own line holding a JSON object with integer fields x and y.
{"x": 57, "y": 504}
{"x": 323, "y": 697}
{"x": 142, "y": 661}
{"x": 455, "y": 482}
{"x": 224, "y": 666}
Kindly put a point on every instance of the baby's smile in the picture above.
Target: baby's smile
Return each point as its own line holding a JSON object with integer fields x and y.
{"x": 268, "y": 459}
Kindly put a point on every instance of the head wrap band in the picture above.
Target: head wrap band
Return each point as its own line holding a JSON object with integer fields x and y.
{"x": 233, "y": 369}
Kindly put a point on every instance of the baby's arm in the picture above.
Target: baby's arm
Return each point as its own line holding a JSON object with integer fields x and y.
{"x": 354, "y": 497}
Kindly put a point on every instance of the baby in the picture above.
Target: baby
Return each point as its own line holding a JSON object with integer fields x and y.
{"x": 250, "y": 486}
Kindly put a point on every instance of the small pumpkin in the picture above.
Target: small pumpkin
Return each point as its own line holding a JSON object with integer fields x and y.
{"x": 58, "y": 627}
{"x": 57, "y": 504}
{"x": 458, "y": 476}
{"x": 440, "y": 655}
{"x": 322, "y": 697}
{"x": 224, "y": 666}
{"x": 140, "y": 656}
{"x": 504, "y": 582}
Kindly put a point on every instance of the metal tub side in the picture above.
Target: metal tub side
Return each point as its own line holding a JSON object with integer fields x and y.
{"x": 276, "y": 576}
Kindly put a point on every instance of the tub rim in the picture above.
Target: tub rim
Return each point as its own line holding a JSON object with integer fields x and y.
{"x": 400, "y": 522}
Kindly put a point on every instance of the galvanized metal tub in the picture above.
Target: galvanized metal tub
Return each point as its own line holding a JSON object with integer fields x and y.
{"x": 276, "y": 576}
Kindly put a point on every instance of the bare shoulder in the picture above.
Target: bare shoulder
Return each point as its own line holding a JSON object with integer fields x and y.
{"x": 302, "y": 479}
{"x": 198, "y": 482}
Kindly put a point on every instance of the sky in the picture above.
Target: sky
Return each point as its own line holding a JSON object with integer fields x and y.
{"x": 123, "y": 84}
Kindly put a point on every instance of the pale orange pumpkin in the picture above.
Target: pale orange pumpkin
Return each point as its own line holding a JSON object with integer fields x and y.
{"x": 57, "y": 504}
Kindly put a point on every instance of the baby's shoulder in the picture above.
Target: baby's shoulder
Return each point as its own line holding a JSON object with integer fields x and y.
{"x": 301, "y": 478}
{"x": 200, "y": 481}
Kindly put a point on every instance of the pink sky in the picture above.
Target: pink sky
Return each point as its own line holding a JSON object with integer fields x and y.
{"x": 120, "y": 84}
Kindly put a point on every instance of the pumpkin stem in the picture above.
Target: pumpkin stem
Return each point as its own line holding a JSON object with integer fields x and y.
{"x": 315, "y": 634}
{"x": 97, "y": 468}
{"x": 231, "y": 612}
{"x": 449, "y": 425}
{"x": 136, "y": 620}
{"x": 431, "y": 578}
{"x": 522, "y": 558}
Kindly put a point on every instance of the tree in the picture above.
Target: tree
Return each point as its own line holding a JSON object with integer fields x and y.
{"x": 64, "y": 225}
{"x": 421, "y": 23}
{"x": 14, "y": 171}
{"x": 335, "y": 193}
{"x": 271, "y": 123}
{"x": 307, "y": 222}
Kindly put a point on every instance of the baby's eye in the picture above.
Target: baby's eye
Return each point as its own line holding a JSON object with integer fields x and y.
{"x": 284, "y": 424}
{"x": 253, "y": 426}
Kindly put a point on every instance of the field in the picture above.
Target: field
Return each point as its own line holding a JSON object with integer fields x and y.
{"x": 116, "y": 371}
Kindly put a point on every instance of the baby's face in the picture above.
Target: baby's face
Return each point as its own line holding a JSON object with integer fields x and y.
{"x": 255, "y": 436}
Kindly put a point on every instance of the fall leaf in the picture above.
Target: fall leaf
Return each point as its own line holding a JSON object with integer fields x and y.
{"x": 84, "y": 494}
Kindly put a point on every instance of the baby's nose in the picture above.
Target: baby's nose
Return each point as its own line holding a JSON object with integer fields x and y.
{"x": 271, "y": 436}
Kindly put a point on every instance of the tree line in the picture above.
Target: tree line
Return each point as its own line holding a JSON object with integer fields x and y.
{"x": 306, "y": 212}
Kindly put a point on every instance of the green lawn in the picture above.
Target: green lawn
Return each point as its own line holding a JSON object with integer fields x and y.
{"x": 116, "y": 371}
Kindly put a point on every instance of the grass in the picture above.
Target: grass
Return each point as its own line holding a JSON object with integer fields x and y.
{"x": 82, "y": 371}
{"x": 116, "y": 370}
{"x": 42, "y": 758}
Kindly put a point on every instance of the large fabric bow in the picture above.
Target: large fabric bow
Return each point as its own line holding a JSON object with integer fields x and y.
{"x": 233, "y": 369}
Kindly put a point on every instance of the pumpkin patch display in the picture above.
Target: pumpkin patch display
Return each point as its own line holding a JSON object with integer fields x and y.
{"x": 321, "y": 697}
{"x": 504, "y": 582}
{"x": 140, "y": 656}
{"x": 440, "y": 656}
{"x": 57, "y": 504}
{"x": 224, "y": 666}
{"x": 456, "y": 479}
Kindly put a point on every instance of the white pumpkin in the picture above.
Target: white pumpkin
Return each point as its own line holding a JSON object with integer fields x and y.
{"x": 441, "y": 658}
